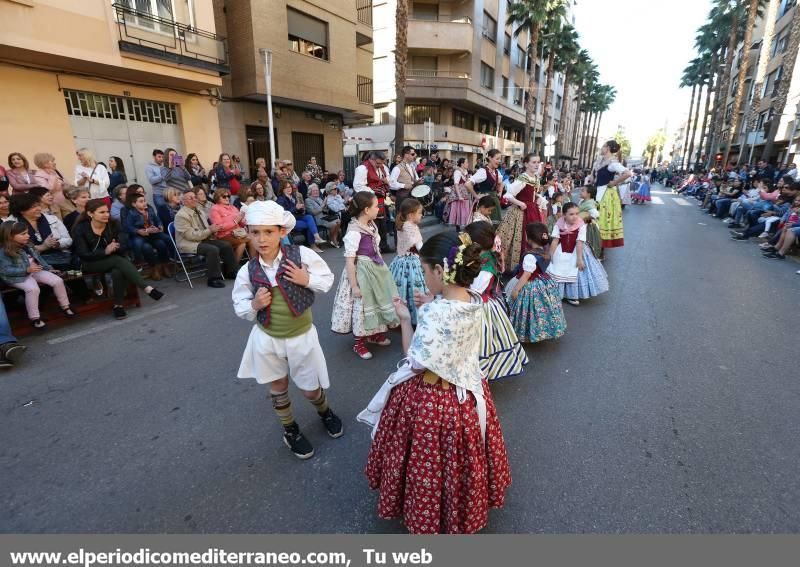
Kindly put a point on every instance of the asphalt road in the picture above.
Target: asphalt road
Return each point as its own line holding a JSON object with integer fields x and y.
{"x": 671, "y": 405}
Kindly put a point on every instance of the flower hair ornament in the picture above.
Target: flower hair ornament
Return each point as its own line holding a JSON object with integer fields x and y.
{"x": 455, "y": 258}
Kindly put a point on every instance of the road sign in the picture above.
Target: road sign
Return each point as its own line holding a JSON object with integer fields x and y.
{"x": 549, "y": 150}
{"x": 550, "y": 139}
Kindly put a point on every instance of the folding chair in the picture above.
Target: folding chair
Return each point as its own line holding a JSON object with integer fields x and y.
{"x": 189, "y": 257}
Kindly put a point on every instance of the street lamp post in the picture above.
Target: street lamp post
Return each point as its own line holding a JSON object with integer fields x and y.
{"x": 268, "y": 78}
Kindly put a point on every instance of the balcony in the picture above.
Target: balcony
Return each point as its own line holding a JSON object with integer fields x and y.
{"x": 143, "y": 34}
{"x": 364, "y": 89}
{"x": 364, "y": 26}
{"x": 442, "y": 36}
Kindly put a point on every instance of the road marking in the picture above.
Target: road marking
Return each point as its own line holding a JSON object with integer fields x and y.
{"x": 681, "y": 201}
{"x": 111, "y": 324}
{"x": 657, "y": 201}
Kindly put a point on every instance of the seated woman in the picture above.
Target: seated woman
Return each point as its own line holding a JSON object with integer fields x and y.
{"x": 316, "y": 206}
{"x": 167, "y": 213}
{"x": 48, "y": 236}
{"x": 78, "y": 196}
{"x": 19, "y": 174}
{"x": 262, "y": 192}
{"x": 99, "y": 246}
{"x": 23, "y": 268}
{"x": 293, "y": 202}
{"x": 203, "y": 202}
{"x": 146, "y": 236}
{"x": 116, "y": 174}
{"x": 92, "y": 175}
{"x": 231, "y": 222}
{"x": 119, "y": 198}
{"x": 49, "y": 177}
{"x": 5, "y": 212}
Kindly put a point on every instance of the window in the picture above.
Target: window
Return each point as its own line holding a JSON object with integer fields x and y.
{"x": 423, "y": 66}
{"x": 772, "y": 82}
{"x": 507, "y": 45}
{"x": 558, "y": 102}
{"x": 485, "y": 126}
{"x": 489, "y": 27}
{"x": 419, "y": 113}
{"x": 307, "y": 35}
{"x": 520, "y": 61}
{"x": 154, "y": 9}
{"x": 763, "y": 119}
{"x": 505, "y": 87}
{"x": 516, "y": 135}
{"x": 780, "y": 43}
{"x": 786, "y": 5}
{"x": 94, "y": 105}
{"x": 517, "y": 96}
{"x": 428, "y": 12}
{"x": 487, "y": 76}
{"x": 463, "y": 119}
{"x": 728, "y": 114}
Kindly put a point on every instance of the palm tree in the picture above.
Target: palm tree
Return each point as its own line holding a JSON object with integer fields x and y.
{"x": 589, "y": 108}
{"x": 527, "y": 16}
{"x": 552, "y": 27}
{"x": 688, "y": 78}
{"x": 573, "y": 73}
{"x": 566, "y": 55}
{"x": 725, "y": 17}
{"x": 608, "y": 95}
{"x": 700, "y": 83}
{"x": 761, "y": 70}
{"x": 400, "y": 72}
{"x": 741, "y": 86}
{"x": 584, "y": 76}
{"x": 779, "y": 102}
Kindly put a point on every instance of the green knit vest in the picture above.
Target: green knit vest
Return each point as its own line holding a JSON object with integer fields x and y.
{"x": 284, "y": 325}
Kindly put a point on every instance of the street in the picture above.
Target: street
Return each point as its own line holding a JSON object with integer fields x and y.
{"x": 670, "y": 406}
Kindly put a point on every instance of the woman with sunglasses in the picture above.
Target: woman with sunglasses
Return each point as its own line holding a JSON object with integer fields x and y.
{"x": 231, "y": 223}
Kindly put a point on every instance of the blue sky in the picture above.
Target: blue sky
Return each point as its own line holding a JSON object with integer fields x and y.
{"x": 641, "y": 47}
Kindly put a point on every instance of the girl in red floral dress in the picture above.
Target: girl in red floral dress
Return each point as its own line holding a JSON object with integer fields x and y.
{"x": 438, "y": 458}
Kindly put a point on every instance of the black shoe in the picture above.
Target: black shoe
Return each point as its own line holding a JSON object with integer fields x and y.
{"x": 216, "y": 282}
{"x": 735, "y": 225}
{"x": 119, "y": 312}
{"x": 298, "y": 444}
{"x": 333, "y": 424}
{"x": 738, "y": 236}
{"x": 155, "y": 294}
{"x": 13, "y": 352}
{"x": 5, "y": 363}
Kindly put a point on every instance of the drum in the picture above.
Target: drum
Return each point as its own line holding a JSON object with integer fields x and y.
{"x": 424, "y": 195}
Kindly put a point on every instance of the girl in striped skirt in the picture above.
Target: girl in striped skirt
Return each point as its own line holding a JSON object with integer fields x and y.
{"x": 501, "y": 354}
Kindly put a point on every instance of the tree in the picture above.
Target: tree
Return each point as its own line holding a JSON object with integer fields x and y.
{"x": 689, "y": 79}
{"x": 695, "y": 122}
{"x": 400, "y": 72}
{"x": 585, "y": 76}
{"x": 623, "y": 141}
{"x": 566, "y": 57}
{"x": 654, "y": 146}
{"x": 741, "y": 86}
{"x": 552, "y": 26}
{"x": 527, "y": 16}
{"x": 575, "y": 74}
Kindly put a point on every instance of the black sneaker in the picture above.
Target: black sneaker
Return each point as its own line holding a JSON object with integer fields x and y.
{"x": 298, "y": 444}
{"x": 119, "y": 312}
{"x": 13, "y": 352}
{"x": 333, "y": 424}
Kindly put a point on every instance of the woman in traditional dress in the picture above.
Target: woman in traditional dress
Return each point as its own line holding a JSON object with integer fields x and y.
{"x": 487, "y": 181}
{"x": 607, "y": 174}
{"x": 459, "y": 201}
{"x": 438, "y": 459}
{"x": 527, "y": 207}
{"x": 642, "y": 194}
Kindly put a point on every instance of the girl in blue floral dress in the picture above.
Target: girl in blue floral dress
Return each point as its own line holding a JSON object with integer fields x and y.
{"x": 534, "y": 298}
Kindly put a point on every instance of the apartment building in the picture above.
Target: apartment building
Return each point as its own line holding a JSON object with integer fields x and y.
{"x": 321, "y": 76}
{"x": 467, "y": 74}
{"x": 120, "y": 78}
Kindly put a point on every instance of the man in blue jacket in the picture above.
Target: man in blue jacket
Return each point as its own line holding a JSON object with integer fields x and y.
{"x": 10, "y": 350}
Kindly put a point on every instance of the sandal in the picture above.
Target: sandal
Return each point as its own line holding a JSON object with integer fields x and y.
{"x": 68, "y": 312}
{"x": 38, "y": 324}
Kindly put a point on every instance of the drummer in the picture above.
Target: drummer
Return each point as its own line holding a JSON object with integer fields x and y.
{"x": 487, "y": 181}
{"x": 373, "y": 176}
{"x": 404, "y": 177}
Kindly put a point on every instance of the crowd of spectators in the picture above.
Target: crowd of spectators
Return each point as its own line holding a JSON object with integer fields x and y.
{"x": 759, "y": 202}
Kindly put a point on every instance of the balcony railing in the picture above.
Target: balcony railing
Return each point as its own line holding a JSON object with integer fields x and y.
{"x": 364, "y": 10}
{"x": 364, "y": 89}
{"x": 142, "y": 33}
{"x": 443, "y": 19}
{"x": 434, "y": 74}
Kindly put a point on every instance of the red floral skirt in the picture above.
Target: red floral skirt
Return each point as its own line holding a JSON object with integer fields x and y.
{"x": 430, "y": 464}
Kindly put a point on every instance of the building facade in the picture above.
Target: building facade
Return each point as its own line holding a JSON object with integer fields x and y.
{"x": 467, "y": 74}
{"x": 321, "y": 77}
{"x": 118, "y": 78}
